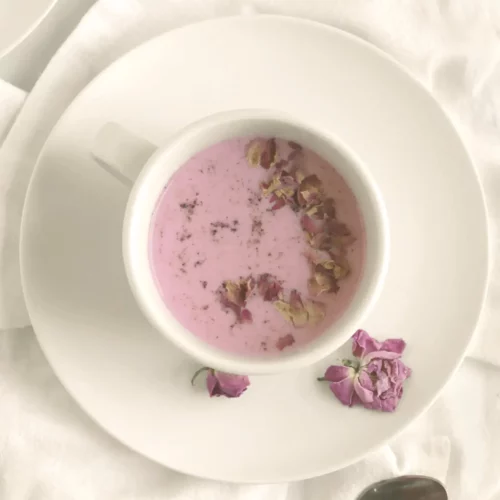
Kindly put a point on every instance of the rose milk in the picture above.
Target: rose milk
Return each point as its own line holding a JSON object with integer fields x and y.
{"x": 212, "y": 224}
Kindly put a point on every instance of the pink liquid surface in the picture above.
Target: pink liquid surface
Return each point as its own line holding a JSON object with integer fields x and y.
{"x": 191, "y": 254}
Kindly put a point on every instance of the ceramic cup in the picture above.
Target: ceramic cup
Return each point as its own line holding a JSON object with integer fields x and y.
{"x": 147, "y": 169}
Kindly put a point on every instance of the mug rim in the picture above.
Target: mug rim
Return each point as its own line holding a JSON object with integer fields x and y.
{"x": 135, "y": 248}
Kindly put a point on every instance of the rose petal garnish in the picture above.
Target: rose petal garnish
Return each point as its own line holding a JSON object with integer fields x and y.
{"x": 235, "y": 292}
{"x": 270, "y": 187}
{"x": 280, "y": 164}
{"x": 234, "y": 295}
{"x": 245, "y": 316}
{"x": 310, "y": 190}
{"x": 341, "y": 382}
{"x": 329, "y": 208}
{"x": 298, "y": 175}
{"x": 294, "y": 145}
{"x": 316, "y": 311}
{"x": 268, "y": 287}
{"x": 376, "y": 379}
{"x": 277, "y": 203}
{"x": 296, "y": 158}
{"x": 285, "y": 341}
{"x": 294, "y": 310}
{"x": 223, "y": 384}
{"x": 321, "y": 210}
{"x": 322, "y": 241}
{"x": 268, "y": 155}
{"x": 296, "y": 300}
{"x": 309, "y": 225}
{"x": 324, "y": 278}
{"x": 335, "y": 228}
{"x": 262, "y": 153}
{"x": 338, "y": 269}
{"x": 254, "y": 151}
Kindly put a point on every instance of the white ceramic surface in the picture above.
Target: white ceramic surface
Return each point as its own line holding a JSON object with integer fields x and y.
{"x": 18, "y": 18}
{"x": 134, "y": 161}
{"x": 128, "y": 377}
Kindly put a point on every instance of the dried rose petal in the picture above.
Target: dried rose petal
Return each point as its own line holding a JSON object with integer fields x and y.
{"x": 277, "y": 203}
{"x": 235, "y": 293}
{"x": 296, "y": 157}
{"x": 226, "y": 384}
{"x": 321, "y": 241}
{"x": 309, "y": 225}
{"x": 339, "y": 269}
{"x": 296, "y": 300}
{"x": 335, "y": 228}
{"x": 268, "y": 287}
{"x": 285, "y": 341}
{"x": 296, "y": 313}
{"x": 284, "y": 308}
{"x": 329, "y": 208}
{"x": 261, "y": 152}
{"x": 254, "y": 151}
{"x": 285, "y": 192}
{"x": 321, "y": 210}
{"x": 271, "y": 186}
{"x": 294, "y": 145}
{"x": 268, "y": 156}
{"x": 376, "y": 380}
{"x": 288, "y": 179}
{"x": 223, "y": 384}
{"x": 310, "y": 190}
{"x": 321, "y": 283}
{"x": 316, "y": 311}
{"x": 280, "y": 164}
{"x": 324, "y": 278}
{"x": 245, "y": 316}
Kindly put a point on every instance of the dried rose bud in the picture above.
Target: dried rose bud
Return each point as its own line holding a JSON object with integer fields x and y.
{"x": 223, "y": 384}
{"x": 375, "y": 379}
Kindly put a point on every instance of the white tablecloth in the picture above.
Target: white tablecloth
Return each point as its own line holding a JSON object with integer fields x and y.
{"x": 49, "y": 449}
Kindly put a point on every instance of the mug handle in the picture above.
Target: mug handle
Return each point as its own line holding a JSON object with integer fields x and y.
{"x": 121, "y": 153}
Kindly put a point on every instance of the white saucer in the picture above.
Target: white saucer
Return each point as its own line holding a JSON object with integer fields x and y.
{"x": 132, "y": 381}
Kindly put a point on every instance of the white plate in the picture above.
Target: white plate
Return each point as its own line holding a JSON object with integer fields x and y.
{"x": 18, "y": 18}
{"x": 132, "y": 381}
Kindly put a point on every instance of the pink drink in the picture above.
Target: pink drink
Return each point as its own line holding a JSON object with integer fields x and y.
{"x": 212, "y": 224}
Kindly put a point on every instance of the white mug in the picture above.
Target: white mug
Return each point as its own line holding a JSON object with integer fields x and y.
{"x": 147, "y": 169}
